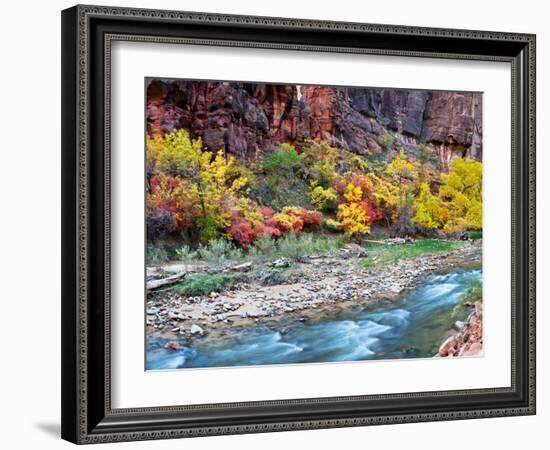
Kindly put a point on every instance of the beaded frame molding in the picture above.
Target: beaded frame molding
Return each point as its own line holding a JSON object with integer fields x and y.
{"x": 87, "y": 35}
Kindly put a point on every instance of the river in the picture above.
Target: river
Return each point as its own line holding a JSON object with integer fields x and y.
{"x": 412, "y": 326}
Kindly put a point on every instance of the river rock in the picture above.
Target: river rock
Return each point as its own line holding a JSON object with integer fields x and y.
{"x": 448, "y": 347}
{"x": 172, "y": 345}
{"x": 395, "y": 288}
{"x": 459, "y": 325}
{"x": 280, "y": 263}
{"x": 196, "y": 330}
{"x": 245, "y": 267}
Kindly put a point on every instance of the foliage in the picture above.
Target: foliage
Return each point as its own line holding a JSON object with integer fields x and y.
{"x": 156, "y": 254}
{"x": 461, "y": 194}
{"x": 286, "y": 158}
{"x": 386, "y": 197}
{"x": 387, "y": 141}
{"x": 404, "y": 173}
{"x": 293, "y": 219}
{"x": 207, "y": 283}
{"x": 218, "y": 252}
{"x": 186, "y": 253}
{"x": 197, "y": 187}
{"x": 402, "y": 169}
{"x": 332, "y": 225}
{"x": 211, "y": 205}
{"x": 428, "y": 209}
{"x": 296, "y": 247}
{"x": 352, "y": 215}
{"x": 324, "y": 199}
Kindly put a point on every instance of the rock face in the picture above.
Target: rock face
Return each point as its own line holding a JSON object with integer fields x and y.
{"x": 244, "y": 118}
{"x": 469, "y": 341}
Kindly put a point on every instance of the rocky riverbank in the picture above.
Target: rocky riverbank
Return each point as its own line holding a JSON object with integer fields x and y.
{"x": 324, "y": 281}
{"x": 469, "y": 340}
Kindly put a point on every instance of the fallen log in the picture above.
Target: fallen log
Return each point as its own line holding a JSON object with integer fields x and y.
{"x": 372, "y": 241}
{"x": 173, "y": 279}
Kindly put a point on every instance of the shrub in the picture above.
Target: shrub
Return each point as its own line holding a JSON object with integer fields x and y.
{"x": 156, "y": 254}
{"x": 186, "y": 253}
{"x": 387, "y": 140}
{"x": 159, "y": 223}
{"x": 298, "y": 246}
{"x": 194, "y": 185}
{"x": 332, "y": 225}
{"x": 286, "y": 158}
{"x": 216, "y": 252}
{"x": 266, "y": 229}
{"x": 324, "y": 199}
{"x": 264, "y": 247}
{"x": 286, "y": 223}
{"x": 306, "y": 216}
{"x": 206, "y": 283}
{"x": 242, "y": 233}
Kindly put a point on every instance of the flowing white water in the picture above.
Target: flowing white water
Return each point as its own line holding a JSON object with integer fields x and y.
{"x": 412, "y": 327}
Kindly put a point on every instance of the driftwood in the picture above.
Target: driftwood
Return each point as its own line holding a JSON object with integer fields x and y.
{"x": 372, "y": 241}
{"x": 173, "y": 279}
{"x": 391, "y": 241}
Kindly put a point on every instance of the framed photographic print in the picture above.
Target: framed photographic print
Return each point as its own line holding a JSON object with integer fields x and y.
{"x": 280, "y": 224}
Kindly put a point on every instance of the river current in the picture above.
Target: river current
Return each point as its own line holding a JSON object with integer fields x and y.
{"x": 412, "y": 327}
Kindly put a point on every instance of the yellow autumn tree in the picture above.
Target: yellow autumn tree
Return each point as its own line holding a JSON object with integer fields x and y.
{"x": 404, "y": 173}
{"x": 461, "y": 194}
{"x": 352, "y": 217}
{"x": 429, "y": 212}
{"x": 387, "y": 198}
{"x": 402, "y": 169}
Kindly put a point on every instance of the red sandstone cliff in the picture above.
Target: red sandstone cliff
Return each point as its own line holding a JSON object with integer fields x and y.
{"x": 245, "y": 118}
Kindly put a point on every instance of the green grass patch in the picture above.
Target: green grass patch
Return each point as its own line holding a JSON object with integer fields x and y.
{"x": 475, "y": 235}
{"x": 206, "y": 283}
{"x": 382, "y": 254}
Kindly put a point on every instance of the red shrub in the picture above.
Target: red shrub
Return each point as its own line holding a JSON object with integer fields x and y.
{"x": 371, "y": 211}
{"x": 306, "y": 216}
{"x": 266, "y": 211}
{"x": 265, "y": 229}
{"x": 242, "y": 233}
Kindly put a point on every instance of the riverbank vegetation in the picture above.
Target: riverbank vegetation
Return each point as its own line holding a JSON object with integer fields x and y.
{"x": 199, "y": 201}
{"x": 380, "y": 254}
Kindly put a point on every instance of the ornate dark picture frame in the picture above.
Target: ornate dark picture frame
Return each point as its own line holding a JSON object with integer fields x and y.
{"x": 87, "y": 35}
